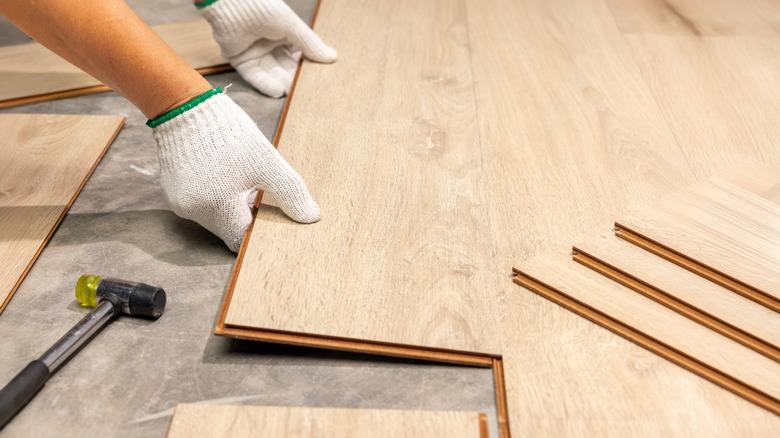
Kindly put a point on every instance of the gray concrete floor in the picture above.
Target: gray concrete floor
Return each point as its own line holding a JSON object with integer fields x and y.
{"x": 128, "y": 379}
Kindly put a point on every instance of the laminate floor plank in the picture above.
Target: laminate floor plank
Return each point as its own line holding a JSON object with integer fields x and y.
{"x": 752, "y": 375}
{"x": 697, "y": 17}
{"x": 46, "y": 160}
{"x": 717, "y": 94}
{"x": 403, "y": 253}
{"x": 686, "y": 287}
{"x": 30, "y": 72}
{"x": 721, "y": 226}
{"x": 209, "y": 421}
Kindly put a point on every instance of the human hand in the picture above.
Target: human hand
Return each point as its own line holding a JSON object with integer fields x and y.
{"x": 212, "y": 156}
{"x": 260, "y": 37}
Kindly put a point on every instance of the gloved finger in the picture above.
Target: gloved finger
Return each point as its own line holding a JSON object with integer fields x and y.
{"x": 261, "y": 73}
{"x": 289, "y": 190}
{"x": 304, "y": 38}
{"x": 235, "y": 218}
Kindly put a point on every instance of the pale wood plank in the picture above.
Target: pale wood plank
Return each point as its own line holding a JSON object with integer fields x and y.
{"x": 211, "y": 421}
{"x": 721, "y": 226}
{"x": 747, "y": 370}
{"x": 30, "y": 69}
{"x": 697, "y": 17}
{"x": 717, "y": 94}
{"x": 714, "y": 301}
{"x": 46, "y": 160}
{"x": 403, "y": 254}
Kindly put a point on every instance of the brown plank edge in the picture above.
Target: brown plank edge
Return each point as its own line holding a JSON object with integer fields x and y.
{"x": 668, "y": 300}
{"x": 675, "y": 356}
{"x": 697, "y": 268}
{"x": 89, "y": 90}
{"x": 483, "y": 426}
{"x": 62, "y": 216}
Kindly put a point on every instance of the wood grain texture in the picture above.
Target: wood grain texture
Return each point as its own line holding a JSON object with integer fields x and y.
{"x": 46, "y": 161}
{"x": 717, "y": 95}
{"x": 212, "y": 421}
{"x": 405, "y": 231}
{"x": 30, "y": 72}
{"x": 697, "y": 17}
{"x": 656, "y": 327}
{"x": 451, "y": 140}
{"x": 711, "y": 305}
{"x": 718, "y": 224}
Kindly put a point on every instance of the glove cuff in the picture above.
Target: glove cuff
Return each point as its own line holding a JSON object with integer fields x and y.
{"x": 183, "y": 108}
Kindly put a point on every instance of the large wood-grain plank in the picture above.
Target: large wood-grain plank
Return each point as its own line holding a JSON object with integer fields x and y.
{"x": 210, "y": 421}
{"x": 30, "y": 72}
{"x": 404, "y": 252}
{"x": 46, "y": 160}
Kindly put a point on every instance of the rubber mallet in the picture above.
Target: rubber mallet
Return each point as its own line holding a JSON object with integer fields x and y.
{"x": 109, "y": 297}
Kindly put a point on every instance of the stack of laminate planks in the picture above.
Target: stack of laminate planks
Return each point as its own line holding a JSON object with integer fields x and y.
{"x": 693, "y": 278}
{"x": 46, "y": 161}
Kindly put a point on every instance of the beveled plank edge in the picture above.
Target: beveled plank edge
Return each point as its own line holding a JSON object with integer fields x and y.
{"x": 713, "y": 275}
{"x": 667, "y": 352}
{"x": 62, "y": 215}
{"x": 501, "y": 404}
{"x": 670, "y": 301}
{"x": 357, "y": 346}
{"x": 74, "y": 92}
{"x": 483, "y": 426}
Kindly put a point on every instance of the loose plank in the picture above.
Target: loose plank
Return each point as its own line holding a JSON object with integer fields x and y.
{"x": 46, "y": 160}
{"x": 31, "y": 73}
{"x": 208, "y": 421}
{"x": 719, "y": 226}
{"x": 708, "y": 303}
{"x": 655, "y": 327}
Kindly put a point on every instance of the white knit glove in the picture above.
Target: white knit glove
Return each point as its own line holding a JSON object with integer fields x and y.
{"x": 212, "y": 155}
{"x": 259, "y": 38}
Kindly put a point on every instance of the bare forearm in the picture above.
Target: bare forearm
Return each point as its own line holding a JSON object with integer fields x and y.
{"x": 106, "y": 39}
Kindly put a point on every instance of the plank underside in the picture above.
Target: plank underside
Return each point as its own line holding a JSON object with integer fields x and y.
{"x": 453, "y": 139}
{"x": 31, "y": 72}
{"x": 46, "y": 160}
{"x": 207, "y": 421}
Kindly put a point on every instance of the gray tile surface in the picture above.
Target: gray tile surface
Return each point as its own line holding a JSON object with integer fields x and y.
{"x": 128, "y": 379}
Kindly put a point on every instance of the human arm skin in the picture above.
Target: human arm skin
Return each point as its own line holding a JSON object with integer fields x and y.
{"x": 107, "y": 40}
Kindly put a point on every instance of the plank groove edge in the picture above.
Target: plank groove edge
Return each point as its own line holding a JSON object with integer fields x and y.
{"x": 697, "y": 268}
{"x": 668, "y": 300}
{"x": 357, "y": 346}
{"x": 501, "y": 403}
{"x": 675, "y": 356}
